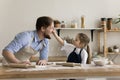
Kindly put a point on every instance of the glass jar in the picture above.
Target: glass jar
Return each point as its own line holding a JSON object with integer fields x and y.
{"x": 74, "y": 24}
{"x": 109, "y": 23}
{"x": 103, "y": 22}
{"x": 62, "y": 24}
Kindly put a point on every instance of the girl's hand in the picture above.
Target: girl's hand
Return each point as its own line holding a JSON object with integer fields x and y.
{"x": 54, "y": 31}
{"x": 59, "y": 39}
{"x": 41, "y": 62}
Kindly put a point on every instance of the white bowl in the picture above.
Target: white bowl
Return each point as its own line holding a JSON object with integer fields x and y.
{"x": 116, "y": 50}
{"x": 100, "y": 62}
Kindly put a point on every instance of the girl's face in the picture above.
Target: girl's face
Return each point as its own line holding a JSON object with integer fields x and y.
{"x": 77, "y": 41}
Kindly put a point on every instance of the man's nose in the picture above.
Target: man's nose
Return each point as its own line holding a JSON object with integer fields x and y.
{"x": 52, "y": 29}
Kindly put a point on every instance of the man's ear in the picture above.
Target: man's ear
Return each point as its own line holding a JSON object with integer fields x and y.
{"x": 42, "y": 29}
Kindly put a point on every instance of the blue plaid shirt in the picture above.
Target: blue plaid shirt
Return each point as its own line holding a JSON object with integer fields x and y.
{"x": 29, "y": 37}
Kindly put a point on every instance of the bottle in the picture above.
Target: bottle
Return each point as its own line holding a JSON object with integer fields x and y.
{"x": 62, "y": 24}
{"x": 82, "y": 22}
{"x": 103, "y": 22}
{"x": 109, "y": 23}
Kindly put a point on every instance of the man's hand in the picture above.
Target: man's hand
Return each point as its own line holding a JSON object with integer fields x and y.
{"x": 25, "y": 62}
{"x": 41, "y": 62}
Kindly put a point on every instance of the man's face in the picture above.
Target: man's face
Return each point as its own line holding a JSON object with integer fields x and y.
{"x": 48, "y": 31}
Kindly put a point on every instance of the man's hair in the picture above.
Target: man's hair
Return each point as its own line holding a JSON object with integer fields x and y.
{"x": 43, "y": 21}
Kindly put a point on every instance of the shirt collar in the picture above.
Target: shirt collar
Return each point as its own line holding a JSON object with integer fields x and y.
{"x": 77, "y": 50}
{"x": 36, "y": 38}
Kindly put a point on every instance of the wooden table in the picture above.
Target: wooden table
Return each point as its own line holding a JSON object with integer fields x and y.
{"x": 61, "y": 72}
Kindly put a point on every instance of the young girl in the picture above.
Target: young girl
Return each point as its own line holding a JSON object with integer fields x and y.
{"x": 75, "y": 52}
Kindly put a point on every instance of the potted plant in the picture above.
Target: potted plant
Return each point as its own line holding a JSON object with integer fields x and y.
{"x": 117, "y": 20}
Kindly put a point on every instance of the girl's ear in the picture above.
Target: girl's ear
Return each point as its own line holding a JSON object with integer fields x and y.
{"x": 42, "y": 29}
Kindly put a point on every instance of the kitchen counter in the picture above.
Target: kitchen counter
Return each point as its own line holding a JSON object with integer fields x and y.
{"x": 58, "y": 71}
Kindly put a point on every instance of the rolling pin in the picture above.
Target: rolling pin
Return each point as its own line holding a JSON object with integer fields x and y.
{"x": 16, "y": 65}
{"x": 69, "y": 64}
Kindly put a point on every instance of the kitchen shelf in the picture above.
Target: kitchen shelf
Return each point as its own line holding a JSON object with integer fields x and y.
{"x": 90, "y": 29}
{"x": 79, "y": 28}
{"x": 113, "y": 30}
{"x": 113, "y": 53}
{"x": 105, "y": 40}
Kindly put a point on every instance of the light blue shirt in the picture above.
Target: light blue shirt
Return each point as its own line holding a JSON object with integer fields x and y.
{"x": 29, "y": 37}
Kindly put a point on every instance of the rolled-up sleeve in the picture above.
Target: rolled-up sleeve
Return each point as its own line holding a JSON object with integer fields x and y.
{"x": 45, "y": 50}
{"x": 17, "y": 43}
{"x": 68, "y": 48}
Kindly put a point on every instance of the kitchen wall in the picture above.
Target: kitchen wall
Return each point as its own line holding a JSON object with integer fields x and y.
{"x": 20, "y": 15}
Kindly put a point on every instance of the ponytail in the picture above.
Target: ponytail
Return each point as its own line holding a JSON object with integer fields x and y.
{"x": 89, "y": 55}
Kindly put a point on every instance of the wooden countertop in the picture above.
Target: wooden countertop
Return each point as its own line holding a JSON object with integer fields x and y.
{"x": 55, "y": 71}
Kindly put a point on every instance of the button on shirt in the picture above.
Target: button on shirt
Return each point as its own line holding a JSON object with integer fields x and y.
{"x": 29, "y": 38}
{"x": 68, "y": 48}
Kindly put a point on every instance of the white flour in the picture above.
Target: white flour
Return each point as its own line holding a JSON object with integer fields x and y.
{"x": 58, "y": 67}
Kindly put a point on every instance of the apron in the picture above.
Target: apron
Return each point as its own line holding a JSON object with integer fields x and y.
{"x": 73, "y": 57}
{"x": 24, "y": 53}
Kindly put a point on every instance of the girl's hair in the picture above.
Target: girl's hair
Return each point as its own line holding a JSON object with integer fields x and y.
{"x": 89, "y": 55}
{"x": 56, "y": 22}
{"x": 84, "y": 39}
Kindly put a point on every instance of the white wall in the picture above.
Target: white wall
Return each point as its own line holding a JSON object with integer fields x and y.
{"x": 21, "y": 15}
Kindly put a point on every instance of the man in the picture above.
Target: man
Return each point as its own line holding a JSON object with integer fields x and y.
{"x": 26, "y": 44}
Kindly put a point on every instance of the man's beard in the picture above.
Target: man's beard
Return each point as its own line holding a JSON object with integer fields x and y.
{"x": 47, "y": 36}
